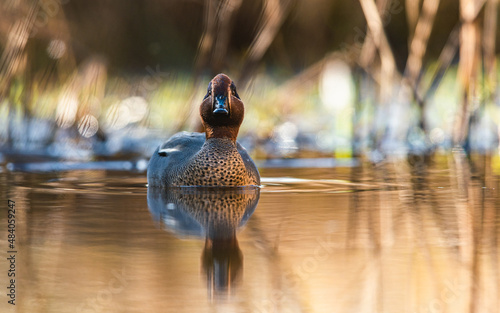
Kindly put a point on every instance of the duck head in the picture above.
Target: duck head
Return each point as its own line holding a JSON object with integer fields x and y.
{"x": 222, "y": 110}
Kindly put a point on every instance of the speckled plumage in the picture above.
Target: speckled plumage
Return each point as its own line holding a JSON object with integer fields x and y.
{"x": 190, "y": 160}
{"x": 216, "y": 159}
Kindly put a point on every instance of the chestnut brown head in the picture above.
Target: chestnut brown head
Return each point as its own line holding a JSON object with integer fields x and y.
{"x": 222, "y": 110}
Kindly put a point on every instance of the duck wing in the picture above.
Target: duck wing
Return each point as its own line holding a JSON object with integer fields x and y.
{"x": 171, "y": 156}
{"x": 183, "y": 143}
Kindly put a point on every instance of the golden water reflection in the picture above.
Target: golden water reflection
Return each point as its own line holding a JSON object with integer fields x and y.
{"x": 410, "y": 235}
{"x": 213, "y": 214}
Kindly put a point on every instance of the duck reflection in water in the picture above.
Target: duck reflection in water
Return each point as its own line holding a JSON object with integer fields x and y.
{"x": 214, "y": 214}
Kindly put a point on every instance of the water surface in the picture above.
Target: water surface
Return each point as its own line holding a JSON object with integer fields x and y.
{"x": 401, "y": 236}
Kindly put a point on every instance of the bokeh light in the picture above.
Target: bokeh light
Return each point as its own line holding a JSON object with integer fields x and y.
{"x": 336, "y": 87}
{"x": 66, "y": 110}
{"x": 88, "y": 126}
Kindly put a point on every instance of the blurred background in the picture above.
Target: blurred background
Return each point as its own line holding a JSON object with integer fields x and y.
{"x": 86, "y": 80}
{"x": 351, "y": 109}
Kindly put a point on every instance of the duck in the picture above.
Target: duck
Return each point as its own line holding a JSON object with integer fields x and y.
{"x": 212, "y": 159}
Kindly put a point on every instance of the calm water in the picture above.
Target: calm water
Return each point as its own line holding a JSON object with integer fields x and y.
{"x": 396, "y": 237}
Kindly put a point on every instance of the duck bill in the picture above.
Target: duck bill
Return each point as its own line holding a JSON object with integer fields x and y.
{"x": 221, "y": 105}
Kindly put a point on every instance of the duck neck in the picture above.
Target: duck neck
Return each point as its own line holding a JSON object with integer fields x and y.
{"x": 227, "y": 145}
{"x": 221, "y": 132}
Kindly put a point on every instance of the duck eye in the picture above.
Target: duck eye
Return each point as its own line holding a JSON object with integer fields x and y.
{"x": 209, "y": 91}
{"x": 233, "y": 91}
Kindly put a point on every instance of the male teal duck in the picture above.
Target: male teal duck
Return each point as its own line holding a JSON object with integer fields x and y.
{"x": 211, "y": 159}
